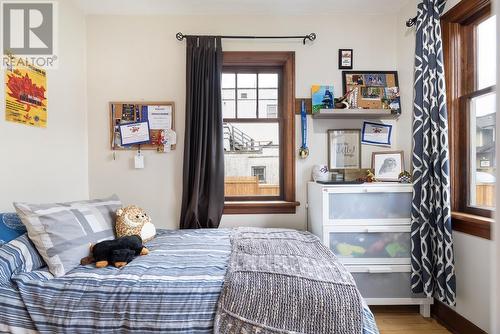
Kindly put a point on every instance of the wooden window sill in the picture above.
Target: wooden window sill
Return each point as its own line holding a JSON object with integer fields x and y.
{"x": 472, "y": 224}
{"x": 259, "y": 207}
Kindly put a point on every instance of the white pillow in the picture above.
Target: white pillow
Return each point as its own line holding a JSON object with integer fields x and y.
{"x": 63, "y": 232}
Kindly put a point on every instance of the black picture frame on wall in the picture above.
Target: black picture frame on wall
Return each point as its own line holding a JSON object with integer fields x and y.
{"x": 346, "y": 73}
{"x": 367, "y": 81}
{"x": 345, "y": 59}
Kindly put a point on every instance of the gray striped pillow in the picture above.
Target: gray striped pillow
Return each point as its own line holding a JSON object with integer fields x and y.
{"x": 62, "y": 232}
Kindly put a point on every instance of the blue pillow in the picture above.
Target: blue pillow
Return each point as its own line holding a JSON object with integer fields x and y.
{"x": 11, "y": 227}
{"x": 18, "y": 256}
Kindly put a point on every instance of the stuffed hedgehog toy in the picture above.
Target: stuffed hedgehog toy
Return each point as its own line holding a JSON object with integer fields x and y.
{"x": 117, "y": 252}
{"x": 133, "y": 220}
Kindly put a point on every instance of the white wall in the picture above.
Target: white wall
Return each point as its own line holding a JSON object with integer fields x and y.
{"x": 473, "y": 274}
{"x": 51, "y": 164}
{"x": 450, "y": 4}
{"x": 405, "y": 66}
{"x": 138, "y": 57}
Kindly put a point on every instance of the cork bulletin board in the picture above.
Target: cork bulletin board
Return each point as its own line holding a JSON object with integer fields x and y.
{"x": 372, "y": 89}
{"x": 130, "y": 112}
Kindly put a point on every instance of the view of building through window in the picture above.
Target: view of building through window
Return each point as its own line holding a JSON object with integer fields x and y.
{"x": 251, "y": 134}
{"x": 482, "y": 114}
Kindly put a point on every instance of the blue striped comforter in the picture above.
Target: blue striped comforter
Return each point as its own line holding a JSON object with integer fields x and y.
{"x": 174, "y": 289}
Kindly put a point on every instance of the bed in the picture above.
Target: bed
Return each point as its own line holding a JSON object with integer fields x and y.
{"x": 174, "y": 289}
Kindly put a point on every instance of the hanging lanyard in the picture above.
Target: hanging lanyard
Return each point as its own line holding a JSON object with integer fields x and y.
{"x": 303, "y": 151}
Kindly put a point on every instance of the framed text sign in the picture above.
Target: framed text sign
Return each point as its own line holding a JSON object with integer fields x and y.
{"x": 344, "y": 149}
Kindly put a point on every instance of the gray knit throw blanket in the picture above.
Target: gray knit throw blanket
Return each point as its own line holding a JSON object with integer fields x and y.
{"x": 286, "y": 281}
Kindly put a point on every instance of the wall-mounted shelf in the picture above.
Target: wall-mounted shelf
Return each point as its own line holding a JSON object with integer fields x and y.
{"x": 356, "y": 113}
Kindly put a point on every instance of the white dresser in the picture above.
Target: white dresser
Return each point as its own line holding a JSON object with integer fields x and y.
{"x": 368, "y": 227}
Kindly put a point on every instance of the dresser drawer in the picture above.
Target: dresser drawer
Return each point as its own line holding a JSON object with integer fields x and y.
{"x": 384, "y": 281}
{"x": 372, "y": 244}
{"x": 369, "y": 204}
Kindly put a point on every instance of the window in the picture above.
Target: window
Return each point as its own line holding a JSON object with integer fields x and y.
{"x": 260, "y": 173}
{"x": 469, "y": 39}
{"x": 251, "y": 132}
{"x": 258, "y": 115}
{"x": 482, "y": 114}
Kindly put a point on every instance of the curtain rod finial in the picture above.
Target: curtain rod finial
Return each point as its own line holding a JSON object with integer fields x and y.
{"x": 311, "y": 37}
{"x": 179, "y": 36}
{"x": 411, "y": 22}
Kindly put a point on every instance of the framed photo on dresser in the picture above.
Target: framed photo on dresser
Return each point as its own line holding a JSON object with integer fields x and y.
{"x": 388, "y": 165}
{"x": 344, "y": 149}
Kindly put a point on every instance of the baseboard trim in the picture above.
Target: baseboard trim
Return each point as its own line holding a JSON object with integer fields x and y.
{"x": 453, "y": 321}
{"x": 394, "y": 308}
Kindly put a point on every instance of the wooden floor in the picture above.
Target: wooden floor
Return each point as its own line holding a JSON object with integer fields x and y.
{"x": 407, "y": 322}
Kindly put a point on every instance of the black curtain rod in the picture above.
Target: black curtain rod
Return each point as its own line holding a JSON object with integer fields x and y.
{"x": 411, "y": 22}
{"x": 311, "y": 37}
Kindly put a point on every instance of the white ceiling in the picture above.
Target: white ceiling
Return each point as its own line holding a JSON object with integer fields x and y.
{"x": 235, "y": 7}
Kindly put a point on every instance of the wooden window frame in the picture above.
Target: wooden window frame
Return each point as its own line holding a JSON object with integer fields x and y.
{"x": 285, "y": 61}
{"x": 279, "y": 120}
{"x": 458, "y": 31}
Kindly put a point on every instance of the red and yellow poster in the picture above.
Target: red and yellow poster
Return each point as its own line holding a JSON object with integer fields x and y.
{"x": 25, "y": 95}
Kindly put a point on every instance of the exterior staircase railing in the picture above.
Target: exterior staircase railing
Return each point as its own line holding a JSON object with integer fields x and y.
{"x": 239, "y": 141}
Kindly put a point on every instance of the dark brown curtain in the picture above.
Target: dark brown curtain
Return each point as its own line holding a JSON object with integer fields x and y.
{"x": 203, "y": 180}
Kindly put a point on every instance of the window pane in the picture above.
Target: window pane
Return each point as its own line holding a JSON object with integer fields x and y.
{"x": 228, "y": 80}
{"x": 247, "y": 103}
{"x": 482, "y": 151}
{"x": 268, "y": 108}
{"x": 268, "y": 80}
{"x": 228, "y": 94}
{"x": 268, "y": 103}
{"x": 251, "y": 159}
{"x": 228, "y": 103}
{"x": 486, "y": 56}
{"x": 247, "y": 109}
{"x": 268, "y": 94}
{"x": 247, "y": 94}
{"x": 228, "y": 109}
{"x": 247, "y": 80}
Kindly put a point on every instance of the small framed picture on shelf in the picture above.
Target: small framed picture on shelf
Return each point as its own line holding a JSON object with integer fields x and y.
{"x": 388, "y": 165}
{"x": 321, "y": 97}
{"x": 345, "y": 59}
{"x": 376, "y": 134}
{"x": 344, "y": 149}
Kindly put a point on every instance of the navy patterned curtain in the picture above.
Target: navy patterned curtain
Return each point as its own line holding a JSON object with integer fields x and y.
{"x": 433, "y": 270}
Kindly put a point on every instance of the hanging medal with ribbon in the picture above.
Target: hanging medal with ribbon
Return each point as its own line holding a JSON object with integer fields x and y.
{"x": 303, "y": 150}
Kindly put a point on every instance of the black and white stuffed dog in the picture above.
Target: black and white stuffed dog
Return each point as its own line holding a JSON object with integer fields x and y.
{"x": 117, "y": 252}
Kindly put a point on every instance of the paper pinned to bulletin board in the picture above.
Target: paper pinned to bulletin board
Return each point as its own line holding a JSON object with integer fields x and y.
{"x": 25, "y": 95}
{"x": 159, "y": 117}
